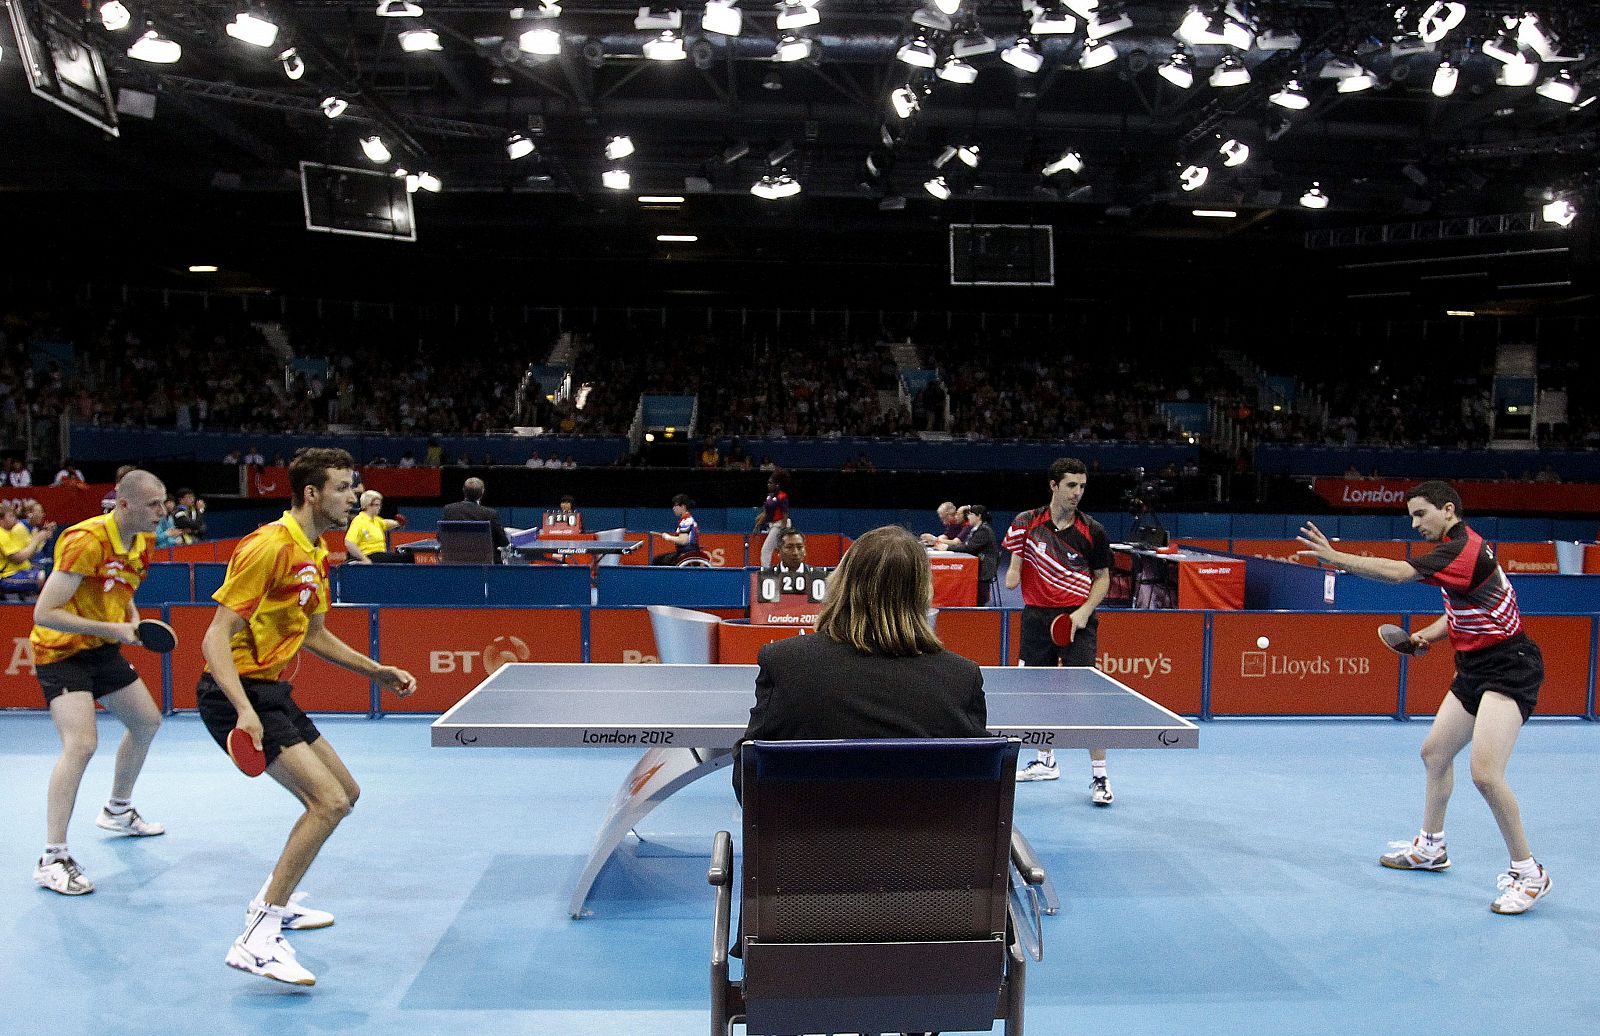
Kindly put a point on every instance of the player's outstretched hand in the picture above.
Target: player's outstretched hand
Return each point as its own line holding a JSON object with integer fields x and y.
{"x": 397, "y": 680}
{"x": 1316, "y": 540}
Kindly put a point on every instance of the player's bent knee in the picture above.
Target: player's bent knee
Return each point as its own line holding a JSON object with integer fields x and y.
{"x": 79, "y": 749}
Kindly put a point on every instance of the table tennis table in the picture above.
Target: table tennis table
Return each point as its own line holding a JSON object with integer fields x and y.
{"x": 687, "y": 718}
{"x": 527, "y": 544}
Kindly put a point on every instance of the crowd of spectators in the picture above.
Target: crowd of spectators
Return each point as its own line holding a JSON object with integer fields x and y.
{"x": 146, "y": 366}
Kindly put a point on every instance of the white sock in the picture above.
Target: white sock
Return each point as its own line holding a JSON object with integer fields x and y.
{"x": 1048, "y": 757}
{"x": 118, "y": 806}
{"x": 265, "y": 924}
{"x": 1097, "y": 767}
{"x": 1433, "y": 841}
{"x": 52, "y": 853}
{"x": 1528, "y": 868}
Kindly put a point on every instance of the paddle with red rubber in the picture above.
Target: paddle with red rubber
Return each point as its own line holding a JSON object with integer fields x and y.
{"x": 156, "y": 635}
{"x": 1062, "y": 630}
{"x": 251, "y": 761}
{"x": 1399, "y": 641}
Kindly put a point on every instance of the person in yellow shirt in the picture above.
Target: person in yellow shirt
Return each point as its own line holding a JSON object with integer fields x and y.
{"x": 273, "y": 603}
{"x": 84, "y": 615}
{"x": 367, "y": 540}
{"x": 18, "y": 545}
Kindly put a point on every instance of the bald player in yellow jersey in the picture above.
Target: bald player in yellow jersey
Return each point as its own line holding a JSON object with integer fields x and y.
{"x": 271, "y": 605}
{"x": 85, "y": 613}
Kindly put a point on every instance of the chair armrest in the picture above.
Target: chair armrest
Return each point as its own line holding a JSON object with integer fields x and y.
{"x": 721, "y": 875}
{"x": 721, "y": 871}
{"x": 1022, "y": 857}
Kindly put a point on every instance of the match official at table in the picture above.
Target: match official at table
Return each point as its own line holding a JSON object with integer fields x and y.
{"x": 470, "y": 508}
{"x": 875, "y": 667}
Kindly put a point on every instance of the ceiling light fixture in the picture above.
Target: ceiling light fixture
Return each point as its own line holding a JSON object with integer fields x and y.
{"x": 905, "y": 102}
{"x": 1362, "y": 80}
{"x": 938, "y": 187}
{"x": 1097, "y": 53}
{"x": 1437, "y": 21}
{"x": 155, "y": 48}
{"x": 1559, "y": 211}
{"x": 203, "y": 268}
{"x": 972, "y": 43}
{"x": 918, "y": 53}
{"x": 543, "y": 41}
{"x": 1503, "y": 45}
{"x": 1069, "y": 161}
{"x": 947, "y": 6}
{"x": 114, "y": 15}
{"x": 1230, "y": 71}
{"x": 1178, "y": 70}
{"x": 415, "y": 41}
{"x": 660, "y": 199}
{"x": 793, "y": 48}
{"x": 722, "y": 18}
{"x": 616, "y": 179}
{"x": 1292, "y": 96}
{"x": 1560, "y": 87}
{"x": 1215, "y": 213}
{"x": 518, "y": 146}
{"x": 1518, "y": 73}
{"x": 772, "y": 188}
{"x": 1234, "y": 153}
{"x": 398, "y": 9}
{"x": 618, "y": 148}
{"x": 430, "y": 183}
{"x": 1103, "y": 24}
{"x": 1314, "y": 198}
{"x": 1023, "y": 55}
{"x": 1051, "y": 19}
{"x": 954, "y": 70}
{"x": 293, "y": 66}
{"x": 333, "y": 107}
{"x": 687, "y": 239}
{"x": 252, "y": 29}
{"x": 796, "y": 14}
{"x": 1194, "y": 177}
{"x": 1445, "y": 78}
{"x": 375, "y": 149}
{"x": 666, "y": 47}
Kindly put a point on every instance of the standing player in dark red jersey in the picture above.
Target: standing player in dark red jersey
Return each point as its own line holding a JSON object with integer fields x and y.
{"x": 1498, "y": 673}
{"x": 1061, "y": 558}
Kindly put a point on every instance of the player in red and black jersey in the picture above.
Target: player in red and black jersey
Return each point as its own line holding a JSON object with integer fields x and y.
{"x": 1061, "y": 558}
{"x": 1498, "y": 673}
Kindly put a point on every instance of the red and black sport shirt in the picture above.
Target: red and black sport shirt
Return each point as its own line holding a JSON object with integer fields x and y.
{"x": 1058, "y": 565}
{"x": 1479, "y": 604}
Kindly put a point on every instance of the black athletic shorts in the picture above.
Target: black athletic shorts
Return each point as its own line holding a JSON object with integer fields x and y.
{"x": 1039, "y": 650}
{"x": 1514, "y": 667}
{"x": 100, "y": 671}
{"x": 282, "y": 722}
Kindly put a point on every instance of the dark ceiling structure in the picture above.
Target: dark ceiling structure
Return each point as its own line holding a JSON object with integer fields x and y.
{"x": 867, "y": 119}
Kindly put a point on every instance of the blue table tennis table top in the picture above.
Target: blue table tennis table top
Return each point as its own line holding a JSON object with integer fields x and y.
{"x": 545, "y": 705}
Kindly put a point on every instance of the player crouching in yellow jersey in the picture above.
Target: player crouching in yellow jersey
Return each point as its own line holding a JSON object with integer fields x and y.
{"x": 85, "y": 613}
{"x": 273, "y": 603}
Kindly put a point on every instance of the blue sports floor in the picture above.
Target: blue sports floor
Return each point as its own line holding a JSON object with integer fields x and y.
{"x": 1230, "y": 890}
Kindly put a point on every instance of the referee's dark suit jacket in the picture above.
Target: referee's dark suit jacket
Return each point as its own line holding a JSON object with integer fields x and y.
{"x": 814, "y": 687}
{"x": 472, "y": 511}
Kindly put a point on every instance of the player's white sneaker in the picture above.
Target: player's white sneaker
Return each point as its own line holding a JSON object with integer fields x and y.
{"x": 1100, "y": 791}
{"x": 1518, "y": 893}
{"x": 128, "y": 823}
{"x": 271, "y": 958}
{"x": 1039, "y": 770}
{"x": 1415, "y": 856}
{"x": 296, "y": 916}
{"x": 62, "y": 876}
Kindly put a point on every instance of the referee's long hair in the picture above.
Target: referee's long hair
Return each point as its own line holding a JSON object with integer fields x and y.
{"x": 879, "y": 596}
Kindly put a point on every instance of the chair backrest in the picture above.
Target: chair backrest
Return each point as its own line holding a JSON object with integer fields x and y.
{"x": 875, "y": 883}
{"x": 466, "y": 543}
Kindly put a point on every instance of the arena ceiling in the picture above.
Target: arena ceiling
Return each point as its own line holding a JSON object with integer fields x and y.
{"x": 225, "y": 124}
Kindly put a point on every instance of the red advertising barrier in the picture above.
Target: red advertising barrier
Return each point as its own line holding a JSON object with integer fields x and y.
{"x": 621, "y": 635}
{"x": 1591, "y": 559}
{"x": 1159, "y": 654}
{"x": 19, "y": 688}
{"x": 1212, "y": 545}
{"x": 1272, "y": 550}
{"x": 1389, "y": 494}
{"x": 318, "y": 686}
{"x": 1527, "y": 557}
{"x": 1211, "y": 583}
{"x": 974, "y": 634}
{"x": 451, "y": 650}
{"x": 64, "y": 505}
{"x": 739, "y": 644}
{"x": 422, "y": 483}
{"x": 823, "y": 550}
{"x": 1564, "y": 640}
{"x": 1314, "y": 664}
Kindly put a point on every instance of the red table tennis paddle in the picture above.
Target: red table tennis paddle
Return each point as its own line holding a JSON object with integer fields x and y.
{"x": 156, "y": 635}
{"x": 1396, "y": 639}
{"x": 251, "y": 761}
{"x": 1061, "y": 629}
